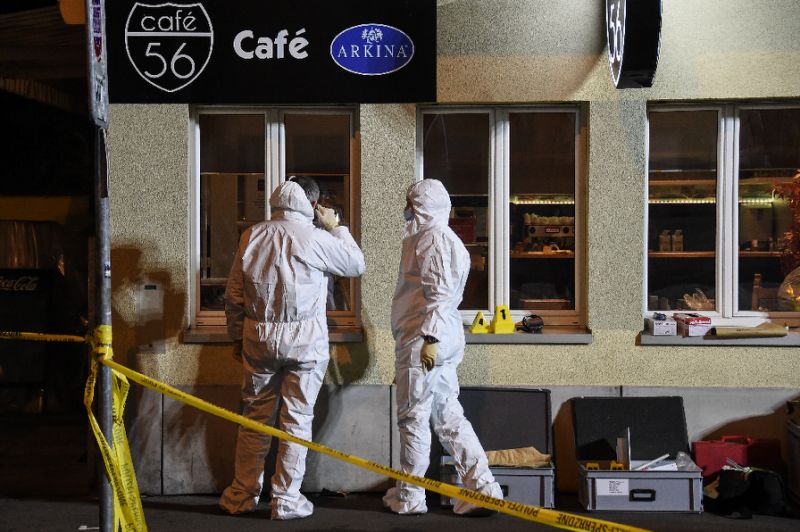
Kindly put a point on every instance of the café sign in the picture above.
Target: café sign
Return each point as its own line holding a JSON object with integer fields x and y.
{"x": 633, "y": 29}
{"x": 253, "y": 52}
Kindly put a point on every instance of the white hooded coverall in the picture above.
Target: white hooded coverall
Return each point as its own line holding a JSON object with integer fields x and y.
{"x": 275, "y": 303}
{"x": 433, "y": 271}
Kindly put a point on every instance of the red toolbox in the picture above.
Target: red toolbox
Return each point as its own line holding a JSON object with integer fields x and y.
{"x": 744, "y": 450}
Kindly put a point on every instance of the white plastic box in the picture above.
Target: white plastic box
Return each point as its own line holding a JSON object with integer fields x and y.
{"x": 668, "y": 327}
{"x": 526, "y": 485}
{"x": 641, "y": 491}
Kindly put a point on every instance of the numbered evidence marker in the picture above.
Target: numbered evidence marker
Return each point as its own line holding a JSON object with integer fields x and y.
{"x": 479, "y": 325}
{"x": 633, "y": 28}
{"x": 169, "y": 45}
{"x": 502, "y": 322}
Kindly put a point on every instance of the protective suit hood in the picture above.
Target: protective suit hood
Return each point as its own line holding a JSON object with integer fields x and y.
{"x": 289, "y": 197}
{"x": 431, "y": 204}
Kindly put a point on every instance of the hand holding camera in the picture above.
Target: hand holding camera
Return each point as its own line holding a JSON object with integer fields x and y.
{"x": 326, "y": 217}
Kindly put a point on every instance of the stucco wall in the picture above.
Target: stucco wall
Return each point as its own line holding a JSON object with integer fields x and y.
{"x": 497, "y": 52}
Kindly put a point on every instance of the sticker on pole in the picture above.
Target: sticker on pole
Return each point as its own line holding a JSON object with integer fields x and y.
{"x": 98, "y": 75}
{"x": 169, "y": 44}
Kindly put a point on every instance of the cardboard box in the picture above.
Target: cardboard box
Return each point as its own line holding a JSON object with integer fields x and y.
{"x": 668, "y": 327}
{"x": 688, "y": 329}
{"x": 691, "y": 318}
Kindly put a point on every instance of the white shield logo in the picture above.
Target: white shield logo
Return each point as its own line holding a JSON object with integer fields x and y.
{"x": 169, "y": 44}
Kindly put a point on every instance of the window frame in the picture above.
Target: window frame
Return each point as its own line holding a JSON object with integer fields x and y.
{"x": 274, "y": 174}
{"x": 499, "y": 187}
{"x": 727, "y": 212}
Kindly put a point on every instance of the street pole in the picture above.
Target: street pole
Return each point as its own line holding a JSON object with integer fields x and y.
{"x": 98, "y": 100}
{"x": 103, "y": 316}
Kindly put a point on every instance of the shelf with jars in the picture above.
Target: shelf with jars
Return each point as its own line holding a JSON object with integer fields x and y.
{"x": 688, "y": 199}
{"x": 708, "y": 254}
{"x": 542, "y": 226}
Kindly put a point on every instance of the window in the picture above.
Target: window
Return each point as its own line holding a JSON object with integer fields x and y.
{"x": 241, "y": 156}
{"x": 719, "y": 230}
{"x": 514, "y": 176}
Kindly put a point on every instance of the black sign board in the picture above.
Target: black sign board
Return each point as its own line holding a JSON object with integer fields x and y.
{"x": 277, "y": 51}
{"x": 633, "y": 28}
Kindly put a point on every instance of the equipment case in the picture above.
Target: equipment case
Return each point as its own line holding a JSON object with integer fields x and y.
{"x": 509, "y": 418}
{"x": 657, "y": 426}
{"x": 793, "y": 435}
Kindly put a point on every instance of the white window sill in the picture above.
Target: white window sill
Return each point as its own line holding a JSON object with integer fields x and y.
{"x": 219, "y": 335}
{"x": 550, "y": 335}
{"x": 790, "y": 340}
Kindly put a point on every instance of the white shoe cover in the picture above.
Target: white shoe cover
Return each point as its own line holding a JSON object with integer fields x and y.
{"x": 235, "y": 501}
{"x": 284, "y": 510}
{"x": 394, "y": 502}
{"x": 465, "y": 508}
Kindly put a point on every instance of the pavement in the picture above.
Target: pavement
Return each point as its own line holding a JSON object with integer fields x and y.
{"x": 42, "y": 458}
{"x": 354, "y": 513}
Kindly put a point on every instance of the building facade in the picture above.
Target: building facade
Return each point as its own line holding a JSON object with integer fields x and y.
{"x": 498, "y": 58}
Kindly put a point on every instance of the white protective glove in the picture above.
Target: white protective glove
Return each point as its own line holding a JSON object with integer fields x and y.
{"x": 428, "y": 355}
{"x": 326, "y": 217}
{"x": 237, "y": 350}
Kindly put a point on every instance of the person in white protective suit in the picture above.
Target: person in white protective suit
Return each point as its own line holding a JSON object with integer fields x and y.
{"x": 429, "y": 345}
{"x": 275, "y": 309}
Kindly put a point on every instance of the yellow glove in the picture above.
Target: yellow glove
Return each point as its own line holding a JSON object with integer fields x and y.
{"x": 237, "y": 350}
{"x": 326, "y": 217}
{"x": 428, "y": 355}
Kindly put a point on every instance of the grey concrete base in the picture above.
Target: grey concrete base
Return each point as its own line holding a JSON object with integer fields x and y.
{"x": 144, "y": 414}
{"x": 198, "y": 447}
{"x": 355, "y": 420}
{"x": 194, "y": 452}
{"x": 790, "y": 340}
{"x": 178, "y": 450}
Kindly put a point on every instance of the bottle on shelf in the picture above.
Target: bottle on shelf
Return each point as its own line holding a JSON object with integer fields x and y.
{"x": 664, "y": 241}
{"x": 677, "y": 240}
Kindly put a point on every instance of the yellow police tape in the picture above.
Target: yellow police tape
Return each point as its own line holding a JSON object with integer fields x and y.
{"x": 128, "y": 513}
{"x": 128, "y": 508}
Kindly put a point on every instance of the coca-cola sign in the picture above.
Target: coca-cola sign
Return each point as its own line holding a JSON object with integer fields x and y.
{"x": 22, "y": 283}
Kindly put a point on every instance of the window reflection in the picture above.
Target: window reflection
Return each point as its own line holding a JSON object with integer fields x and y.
{"x": 542, "y": 211}
{"x": 318, "y": 146}
{"x": 682, "y": 210}
{"x": 232, "y": 195}
{"x": 456, "y": 151}
{"x": 769, "y": 159}
{"x": 234, "y": 186}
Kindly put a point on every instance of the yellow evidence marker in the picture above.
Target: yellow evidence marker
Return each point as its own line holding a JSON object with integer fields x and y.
{"x": 502, "y": 322}
{"x": 479, "y": 325}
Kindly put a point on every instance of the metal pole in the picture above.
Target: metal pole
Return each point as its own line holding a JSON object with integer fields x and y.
{"x": 98, "y": 101}
{"x": 103, "y": 315}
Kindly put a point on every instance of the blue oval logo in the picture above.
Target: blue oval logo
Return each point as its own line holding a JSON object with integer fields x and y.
{"x": 372, "y": 49}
